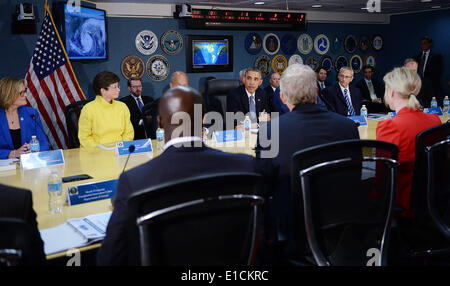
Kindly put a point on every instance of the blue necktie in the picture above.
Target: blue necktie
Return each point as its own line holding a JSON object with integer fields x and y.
{"x": 351, "y": 111}
{"x": 252, "y": 108}
{"x": 322, "y": 85}
{"x": 140, "y": 104}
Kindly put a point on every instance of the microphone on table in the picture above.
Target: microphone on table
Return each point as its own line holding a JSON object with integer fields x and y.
{"x": 130, "y": 150}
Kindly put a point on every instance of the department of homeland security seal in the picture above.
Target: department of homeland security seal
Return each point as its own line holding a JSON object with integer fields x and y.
{"x": 340, "y": 62}
{"x": 288, "y": 44}
{"x": 312, "y": 61}
{"x": 132, "y": 66}
{"x": 146, "y": 42}
{"x": 377, "y": 42}
{"x": 253, "y": 43}
{"x": 263, "y": 64}
{"x": 321, "y": 44}
{"x": 304, "y": 44}
{"x": 350, "y": 44}
{"x": 370, "y": 60}
{"x": 271, "y": 44}
{"x": 295, "y": 59}
{"x": 356, "y": 63}
{"x": 327, "y": 63}
{"x": 171, "y": 42}
{"x": 158, "y": 68}
{"x": 279, "y": 64}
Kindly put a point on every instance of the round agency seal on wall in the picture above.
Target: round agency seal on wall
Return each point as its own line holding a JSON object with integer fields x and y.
{"x": 327, "y": 63}
{"x": 271, "y": 44}
{"x": 370, "y": 60}
{"x": 356, "y": 63}
{"x": 146, "y": 42}
{"x": 158, "y": 68}
{"x": 288, "y": 44}
{"x": 263, "y": 64}
{"x": 363, "y": 42}
{"x": 171, "y": 42}
{"x": 312, "y": 61}
{"x": 132, "y": 66}
{"x": 336, "y": 44}
{"x": 377, "y": 42}
{"x": 304, "y": 44}
{"x": 350, "y": 44}
{"x": 253, "y": 43}
{"x": 295, "y": 59}
{"x": 340, "y": 62}
{"x": 321, "y": 44}
{"x": 279, "y": 64}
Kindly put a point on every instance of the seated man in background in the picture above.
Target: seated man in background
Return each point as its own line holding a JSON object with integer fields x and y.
{"x": 135, "y": 101}
{"x": 105, "y": 120}
{"x": 242, "y": 76}
{"x": 322, "y": 77}
{"x": 250, "y": 99}
{"x": 271, "y": 88}
{"x": 306, "y": 125}
{"x": 343, "y": 98}
{"x": 179, "y": 78}
{"x": 192, "y": 158}
{"x": 372, "y": 91}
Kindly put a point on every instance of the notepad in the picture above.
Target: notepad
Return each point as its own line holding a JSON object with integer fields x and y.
{"x": 76, "y": 232}
{"x": 7, "y": 164}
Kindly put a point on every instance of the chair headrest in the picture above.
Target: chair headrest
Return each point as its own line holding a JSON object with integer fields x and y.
{"x": 221, "y": 86}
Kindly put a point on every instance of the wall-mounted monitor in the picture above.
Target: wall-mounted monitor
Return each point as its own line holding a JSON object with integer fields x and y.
{"x": 83, "y": 31}
{"x": 209, "y": 54}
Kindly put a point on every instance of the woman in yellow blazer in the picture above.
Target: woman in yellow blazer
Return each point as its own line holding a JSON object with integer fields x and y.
{"x": 105, "y": 120}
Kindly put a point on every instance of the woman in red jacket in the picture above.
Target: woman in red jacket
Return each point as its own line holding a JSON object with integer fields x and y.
{"x": 402, "y": 87}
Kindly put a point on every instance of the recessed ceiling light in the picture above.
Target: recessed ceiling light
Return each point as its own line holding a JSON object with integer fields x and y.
{"x": 424, "y": 1}
{"x": 364, "y": 8}
{"x": 317, "y": 6}
{"x": 259, "y": 3}
{"x": 436, "y": 7}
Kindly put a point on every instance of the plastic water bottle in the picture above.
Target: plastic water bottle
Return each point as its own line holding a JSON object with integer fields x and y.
{"x": 247, "y": 125}
{"x": 364, "y": 111}
{"x": 434, "y": 102}
{"x": 446, "y": 104}
{"x": 34, "y": 144}
{"x": 160, "y": 139}
{"x": 55, "y": 199}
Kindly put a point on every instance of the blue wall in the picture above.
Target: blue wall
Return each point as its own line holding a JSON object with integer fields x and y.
{"x": 17, "y": 49}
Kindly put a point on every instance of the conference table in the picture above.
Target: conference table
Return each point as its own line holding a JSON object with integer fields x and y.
{"x": 104, "y": 165}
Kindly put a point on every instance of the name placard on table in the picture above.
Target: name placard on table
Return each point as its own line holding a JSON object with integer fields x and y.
{"x": 140, "y": 146}
{"x": 41, "y": 159}
{"x": 359, "y": 119}
{"x": 91, "y": 192}
{"x": 224, "y": 136}
{"x": 433, "y": 110}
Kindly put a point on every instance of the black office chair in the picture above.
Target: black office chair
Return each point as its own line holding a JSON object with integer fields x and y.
{"x": 150, "y": 116}
{"x": 15, "y": 243}
{"x": 72, "y": 114}
{"x": 207, "y": 220}
{"x": 216, "y": 91}
{"x": 343, "y": 200}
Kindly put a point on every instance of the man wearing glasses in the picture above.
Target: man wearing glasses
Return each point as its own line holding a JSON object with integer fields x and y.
{"x": 135, "y": 101}
{"x": 343, "y": 98}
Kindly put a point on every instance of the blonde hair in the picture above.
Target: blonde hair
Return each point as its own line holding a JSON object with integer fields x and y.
{"x": 405, "y": 83}
{"x": 298, "y": 84}
{"x": 9, "y": 91}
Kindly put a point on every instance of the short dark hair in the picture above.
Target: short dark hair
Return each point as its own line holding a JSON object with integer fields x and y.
{"x": 133, "y": 78}
{"x": 103, "y": 80}
{"x": 369, "y": 67}
{"x": 253, "y": 69}
{"x": 428, "y": 39}
{"x": 321, "y": 68}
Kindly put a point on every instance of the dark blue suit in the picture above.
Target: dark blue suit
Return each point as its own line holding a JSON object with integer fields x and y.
{"x": 335, "y": 98}
{"x": 279, "y": 106}
{"x": 306, "y": 126}
{"x": 28, "y": 127}
{"x": 237, "y": 100}
{"x": 173, "y": 164}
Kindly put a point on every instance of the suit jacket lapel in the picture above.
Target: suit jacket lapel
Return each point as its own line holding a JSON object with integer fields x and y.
{"x": 5, "y": 128}
{"x": 340, "y": 95}
{"x": 244, "y": 100}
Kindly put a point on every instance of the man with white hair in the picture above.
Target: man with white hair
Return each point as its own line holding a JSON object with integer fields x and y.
{"x": 343, "y": 98}
{"x": 306, "y": 125}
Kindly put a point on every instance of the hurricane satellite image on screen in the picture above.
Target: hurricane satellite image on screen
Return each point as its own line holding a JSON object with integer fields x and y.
{"x": 210, "y": 53}
{"x": 85, "y": 35}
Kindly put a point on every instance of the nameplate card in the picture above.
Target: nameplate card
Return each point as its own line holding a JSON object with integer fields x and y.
{"x": 234, "y": 135}
{"x": 41, "y": 159}
{"x": 91, "y": 192}
{"x": 434, "y": 110}
{"x": 359, "y": 119}
{"x": 140, "y": 146}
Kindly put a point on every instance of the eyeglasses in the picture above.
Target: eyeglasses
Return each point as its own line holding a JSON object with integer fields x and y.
{"x": 23, "y": 92}
{"x": 114, "y": 87}
{"x": 345, "y": 76}
{"x": 136, "y": 86}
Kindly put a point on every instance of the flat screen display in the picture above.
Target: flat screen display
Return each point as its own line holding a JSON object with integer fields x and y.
{"x": 85, "y": 33}
{"x": 209, "y": 53}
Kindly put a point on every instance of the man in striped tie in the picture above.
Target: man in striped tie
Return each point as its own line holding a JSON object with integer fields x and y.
{"x": 135, "y": 101}
{"x": 343, "y": 98}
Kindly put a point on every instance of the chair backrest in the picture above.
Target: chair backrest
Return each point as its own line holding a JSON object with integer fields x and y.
{"x": 72, "y": 114}
{"x": 438, "y": 191}
{"x": 207, "y": 220}
{"x": 216, "y": 92}
{"x": 343, "y": 197}
{"x": 426, "y": 138}
{"x": 150, "y": 116}
{"x": 15, "y": 243}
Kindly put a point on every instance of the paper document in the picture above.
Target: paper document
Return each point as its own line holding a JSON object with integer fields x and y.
{"x": 75, "y": 233}
{"x": 7, "y": 164}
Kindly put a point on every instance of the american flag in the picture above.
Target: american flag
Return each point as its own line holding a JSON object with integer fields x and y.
{"x": 51, "y": 83}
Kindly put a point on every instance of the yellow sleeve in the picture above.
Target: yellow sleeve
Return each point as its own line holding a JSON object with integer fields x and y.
{"x": 85, "y": 129}
{"x": 128, "y": 133}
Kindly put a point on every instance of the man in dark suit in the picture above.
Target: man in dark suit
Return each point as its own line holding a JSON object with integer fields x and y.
{"x": 343, "y": 98}
{"x": 184, "y": 157}
{"x": 18, "y": 203}
{"x": 250, "y": 99}
{"x": 322, "y": 74}
{"x": 430, "y": 65}
{"x": 306, "y": 125}
{"x": 270, "y": 89}
{"x": 135, "y": 101}
{"x": 426, "y": 90}
{"x": 372, "y": 91}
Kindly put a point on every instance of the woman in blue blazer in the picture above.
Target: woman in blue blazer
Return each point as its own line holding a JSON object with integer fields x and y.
{"x": 17, "y": 121}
